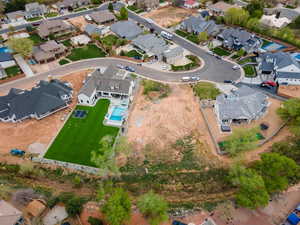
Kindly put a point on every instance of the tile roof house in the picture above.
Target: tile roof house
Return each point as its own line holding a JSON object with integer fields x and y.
{"x": 147, "y": 4}
{"x": 35, "y": 9}
{"x": 113, "y": 82}
{"x": 199, "y": 24}
{"x": 282, "y": 65}
{"x": 190, "y": 4}
{"x": 151, "y": 44}
{"x": 42, "y": 100}
{"x": 15, "y": 16}
{"x": 219, "y": 8}
{"x": 48, "y": 51}
{"x": 126, "y": 29}
{"x": 9, "y": 215}
{"x": 54, "y": 27}
{"x": 71, "y": 4}
{"x": 237, "y": 39}
{"x": 91, "y": 29}
{"x": 242, "y": 105}
{"x": 6, "y": 60}
{"x": 173, "y": 55}
{"x": 35, "y": 208}
{"x": 103, "y": 17}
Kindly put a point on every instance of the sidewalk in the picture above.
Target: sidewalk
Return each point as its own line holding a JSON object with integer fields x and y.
{"x": 24, "y": 65}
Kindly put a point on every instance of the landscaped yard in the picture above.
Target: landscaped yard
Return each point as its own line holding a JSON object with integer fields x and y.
{"x": 109, "y": 40}
{"x": 135, "y": 9}
{"x": 134, "y": 54}
{"x": 195, "y": 62}
{"x": 34, "y": 19}
{"x": 221, "y": 51}
{"x": 79, "y": 137}
{"x": 67, "y": 43}
{"x": 12, "y": 71}
{"x": 63, "y": 62}
{"x": 86, "y": 52}
{"x": 36, "y": 39}
{"x": 80, "y": 9}
{"x": 249, "y": 71}
{"x": 51, "y": 14}
{"x": 191, "y": 37}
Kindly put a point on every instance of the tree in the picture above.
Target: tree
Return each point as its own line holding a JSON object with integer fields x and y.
{"x": 276, "y": 170}
{"x": 296, "y": 23}
{"x": 241, "y": 52}
{"x": 22, "y": 46}
{"x": 74, "y": 205}
{"x": 154, "y": 207}
{"x": 110, "y": 7}
{"x": 252, "y": 192}
{"x": 205, "y": 90}
{"x": 236, "y": 16}
{"x": 241, "y": 140}
{"x": 117, "y": 209}
{"x": 176, "y": 2}
{"x": 2, "y": 8}
{"x": 289, "y": 148}
{"x": 123, "y": 14}
{"x": 290, "y": 113}
{"x": 203, "y": 36}
{"x": 255, "y": 8}
{"x": 254, "y": 24}
{"x": 104, "y": 157}
{"x": 95, "y": 221}
{"x": 96, "y": 2}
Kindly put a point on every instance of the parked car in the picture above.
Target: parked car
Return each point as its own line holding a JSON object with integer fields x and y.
{"x": 228, "y": 81}
{"x": 218, "y": 57}
{"x": 265, "y": 86}
{"x": 185, "y": 79}
{"x": 210, "y": 53}
{"x": 130, "y": 69}
{"x": 195, "y": 78}
{"x": 236, "y": 67}
{"x": 176, "y": 222}
{"x": 294, "y": 217}
{"x": 88, "y": 18}
{"x": 269, "y": 82}
{"x": 17, "y": 152}
{"x": 120, "y": 66}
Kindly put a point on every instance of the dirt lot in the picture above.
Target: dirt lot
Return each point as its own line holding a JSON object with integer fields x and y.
{"x": 21, "y": 135}
{"x": 161, "y": 122}
{"x": 289, "y": 91}
{"x": 78, "y": 22}
{"x": 168, "y": 16}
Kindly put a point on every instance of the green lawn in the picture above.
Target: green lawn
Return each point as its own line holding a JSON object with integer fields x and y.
{"x": 36, "y": 39}
{"x": 79, "y": 137}
{"x": 135, "y": 9}
{"x": 12, "y": 71}
{"x": 109, "y": 40}
{"x": 134, "y": 54}
{"x": 67, "y": 43}
{"x": 86, "y": 52}
{"x": 34, "y": 19}
{"x": 63, "y": 62}
{"x": 249, "y": 71}
{"x": 221, "y": 51}
{"x": 182, "y": 33}
{"x": 80, "y": 9}
{"x": 51, "y": 14}
{"x": 245, "y": 60}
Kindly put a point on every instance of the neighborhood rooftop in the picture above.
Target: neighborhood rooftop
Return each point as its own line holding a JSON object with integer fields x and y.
{"x": 9, "y": 215}
{"x": 150, "y": 44}
{"x": 126, "y": 29}
{"x": 52, "y": 26}
{"x": 103, "y": 16}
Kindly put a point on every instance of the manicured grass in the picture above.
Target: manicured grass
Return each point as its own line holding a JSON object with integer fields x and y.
{"x": 220, "y": 51}
{"x": 135, "y": 9}
{"x": 249, "y": 71}
{"x": 35, "y": 19}
{"x": 134, "y": 54}
{"x": 79, "y": 137}
{"x": 234, "y": 56}
{"x": 67, "y": 43}
{"x": 109, "y": 40}
{"x": 192, "y": 65}
{"x": 36, "y": 39}
{"x": 80, "y": 9}
{"x": 12, "y": 71}
{"x": 87, "y": 52}
{"x": 182, "y": 33}
{"x": 51, "y": 14}
{"x": 245, "y": 60}
{"x": 193, "y": 38}
{"x": 63, "y": 62}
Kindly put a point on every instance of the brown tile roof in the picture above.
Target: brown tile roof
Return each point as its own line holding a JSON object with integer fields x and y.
{"x": 51, "y": 26}
{"x": 35, "y": 208}
{"x": 222, "y": 6}
{"x": 102, "y": 16}
{"x": 52, "y": 46}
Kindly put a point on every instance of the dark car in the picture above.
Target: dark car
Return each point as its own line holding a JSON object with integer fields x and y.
{"x": 218, "y": 57}
{"x": 130, "y": 69}
{"x": 228, "y": 81}
{"x": 264, "y": 126}
{"x": 175, "y": 222}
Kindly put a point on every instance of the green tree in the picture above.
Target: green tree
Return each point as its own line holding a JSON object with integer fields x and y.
{"x": 123, "y": 14}
{"x": 290, "y": 113}
{"x": 251, "y": 192}
{"x": 289, "y": 148}
{"x": 276, "y": 170}
{"x": 153, "y": 207}
{"x": 203, "y": 36}
{"x": 74, "y": 205}
{"x": 205, "y": 90}
{"x": 117, "y": 209}
{"x": 22, "y": 46}
{"x": 241, "y": 52}
{"x": 254, "y": 24}
{"x": 241, "y": 140}
{"x": 95, "y": 221}
{"x": 236, "y": 16}
{"x": 255, "y": 8}
{"x": 110, "y": 7}
{"x": 96, "y": 2}
{"x": 295, "y": 24}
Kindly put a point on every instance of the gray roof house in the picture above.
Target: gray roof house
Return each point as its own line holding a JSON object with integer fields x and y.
{"x": 219, "y": 8}
{"x": 103, "y": 17}
{"x": 238, "y": 38}
{"x": 48, "y": 51}
{"x": 171, "y": 56}
{"x": 9, "y": 214}
{"x": 35, "y": 9}
{"x": 291, "y": 14}
{"x": 126, "y": 29}
{"x": 54, "y": 27}
{"x": 71, "y": 4}
{"x": 199, "y": 24}
{"x": 113, "y": 82}
{"x": 242, "y": 105}
{"x": 151, "y": 44}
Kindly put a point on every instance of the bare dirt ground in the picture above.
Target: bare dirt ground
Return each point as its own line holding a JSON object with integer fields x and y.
{"x": 169, "y": 16}
{"x": 21, "y": 135}
{"x": 161, "y": 122}
{"x": 78, "y": 22}
{"x": 289, "y": 91}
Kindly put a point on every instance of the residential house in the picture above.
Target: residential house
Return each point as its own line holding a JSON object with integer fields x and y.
{"x": 147, "y": 4}
{"x": 112, "y": 83}
{"x": 274, "y": 21}
{"x": 283, "y": 67}
{"x": 173, "y": 55}
{"x": 71, "y": 4}
{"x": 199, "y": 24}
{"x": 35, "y": 9}
{"x": 92, "y": 29}
{"x": 281, "y": 12}
{"x": 236, "y": 39}
{"x": 150, "y": 44}
{"x": 17, "y": 16}
{"x": 54, "y": 27}
{"x": 48, "y": 51}
{"x": 219, "y": 8}
{"x": 126, "y": 29}
{"x": 81, "y": 39}
{"x": 6, "y": 60}
{"x": 9, "y": 215}
{"x": 2, "y": 73}
{"x": 242, "y": 105}
{"x": 35, "y": 208}
{"x": 41, "y": 101}
{"x": 190, "y": 4}
{"x": 103, "y": 17}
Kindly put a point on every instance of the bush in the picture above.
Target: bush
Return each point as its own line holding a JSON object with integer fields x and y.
{"x": 74, "y": 205}
{"x": 195, "y": 63}
{"x": 153, "y": 86}
{"x": 77, "y": 181}
{"x": 52, "y": 202}
{"x": 95, "y": 221}
{"x": 64, "y": 197}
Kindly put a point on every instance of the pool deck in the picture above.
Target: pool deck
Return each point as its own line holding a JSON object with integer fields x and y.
{"x": 124, "y": 103}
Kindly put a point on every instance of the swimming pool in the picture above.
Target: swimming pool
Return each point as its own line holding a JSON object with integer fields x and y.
{"x": 117, "y": 113}
{"x": 272, "y": 46}
{"x": 5, "y": 49}
{"x": 296, "y": 56}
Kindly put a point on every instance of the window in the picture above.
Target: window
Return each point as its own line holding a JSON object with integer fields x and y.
{"x": 88, "y": 101}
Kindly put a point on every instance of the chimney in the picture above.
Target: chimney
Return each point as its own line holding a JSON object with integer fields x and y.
{"x": 277, "y": 15}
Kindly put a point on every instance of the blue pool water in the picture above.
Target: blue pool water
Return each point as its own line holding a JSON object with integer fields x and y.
{"x": 297, "y": 56}
{"x": 273, "y": 46}
{"x": 5, "y": 49}
{"x": 117, "y": 113}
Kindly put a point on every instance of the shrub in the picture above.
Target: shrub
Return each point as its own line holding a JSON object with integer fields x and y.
{"x": 205, "y": 90}
{"x": 95, "y": 221}
{"x": 74, "y": 205}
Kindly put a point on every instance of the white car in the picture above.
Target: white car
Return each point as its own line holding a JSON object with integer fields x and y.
{"x": 185, "y": 79}
{"x": 236, "y": 67}
{"x": 120, "y": 66}
{"x": 88, "y": 18}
